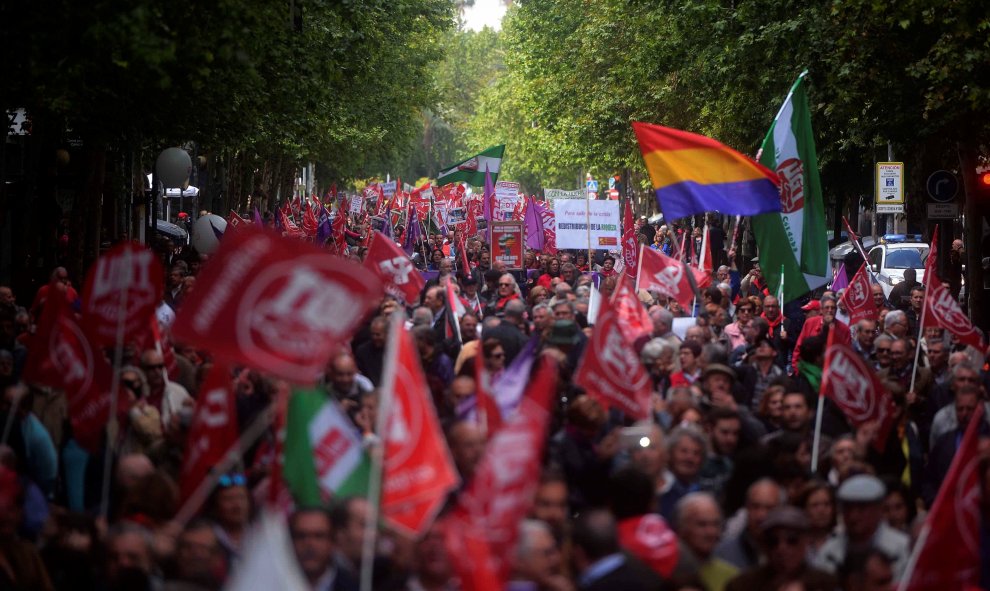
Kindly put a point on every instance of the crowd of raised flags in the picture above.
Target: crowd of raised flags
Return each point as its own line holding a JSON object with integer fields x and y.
{"x": 289, "y": 298}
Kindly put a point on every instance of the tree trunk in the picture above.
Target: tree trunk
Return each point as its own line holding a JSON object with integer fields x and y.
{"x": 975, "y": 294}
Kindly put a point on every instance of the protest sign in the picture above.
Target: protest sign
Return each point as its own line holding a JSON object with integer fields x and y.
{"x": 507, "y": 198}
{"x": 507, "y": 244}
{"x": 552, "y": 195}
{"x": 456, "y": 215}
{"x": 572, "y": 217}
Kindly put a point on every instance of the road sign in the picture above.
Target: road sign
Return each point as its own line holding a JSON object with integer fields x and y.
{"x": 890, "y": 208}
{"x": 942, "y": 186}
{"x": 592, "y": 185}
{"x": 611, "y": 182}
{"x": 943, "y": 211}
{"x": 613, "y": 194}
{"x": 890, "y": 183}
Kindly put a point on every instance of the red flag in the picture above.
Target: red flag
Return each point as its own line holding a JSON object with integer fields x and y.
{"x": 703, "y": 276}
{"x": 634, "y": 321}
{"x": 661, "y": 273}
{"x": 234, "y": 220}
{"x": 948, "y": 548}
{"x": 62, "y": 356}
{"x": 482, "y": 529}
{"x": 393, "y": 267}
{"x": 610, "y": 370}
{"x": 941, "y": 309}
{"x": 648, "y": 538}
{"x": 128, "y": 274}
{"x": 279, "y": 305}
{"x": 462, "y": 250}
{"x": 153, "y": 338}
{"x": 855, "y": 389}
{"x": 213, "y": 431}
{"x": 418, "y": 471}
{"x": 630, "y": 247}
{"x": 858, "y": 299}
{"x": 489, "y": 414}
{"x": 309, "y": 222}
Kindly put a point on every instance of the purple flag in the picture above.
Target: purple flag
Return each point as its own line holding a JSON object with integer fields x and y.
{"x": 509, "y": 388}
{"x": 387, "y": 226}
{"x": 534, "y": 226}
{"x": 413, "y": 231}
{"x": 487, "y": 197}
{"x": 257, "y": 218}
{"x": 324, "y": 230}
{"x": 841, "y": 281}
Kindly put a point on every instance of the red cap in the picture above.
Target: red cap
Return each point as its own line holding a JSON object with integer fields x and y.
{"x": 812, "y": 305}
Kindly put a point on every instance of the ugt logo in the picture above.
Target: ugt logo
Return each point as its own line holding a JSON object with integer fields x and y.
{"x": 397, "y": 268}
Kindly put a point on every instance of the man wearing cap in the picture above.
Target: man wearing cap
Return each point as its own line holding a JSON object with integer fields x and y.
{"x": 785, "y": 541}
{"x": 861, "y": 498}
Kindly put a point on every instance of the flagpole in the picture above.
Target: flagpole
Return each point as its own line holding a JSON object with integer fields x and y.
{"x": 913, "y": 558}
{"x": 118, "y": 354}
{"x": 378, "y": 451}
{"x": 921, "y": 329}
{"x": 587, "y": 220}
{"x": 817, "y": 441}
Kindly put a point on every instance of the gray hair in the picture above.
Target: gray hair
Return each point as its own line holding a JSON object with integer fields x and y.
{"x": 654, "y": 349}
{"x": 689, "y": 502}
{"x": 687, "y": 432}
{"x": 528, "y": 528}
{"x": 828, "y": 298}
{"x": 963, "y": 366}
{"x": 662, "y": 315}
{"x": 422, "y": 316}
{"x": 145, "y": 389}
{"x": 543, "y": 306}
{"x": 893, "y": 317}
{"x": 582, "y": 291}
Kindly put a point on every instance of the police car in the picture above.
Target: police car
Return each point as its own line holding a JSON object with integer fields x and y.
{"x": 894, "y": 254}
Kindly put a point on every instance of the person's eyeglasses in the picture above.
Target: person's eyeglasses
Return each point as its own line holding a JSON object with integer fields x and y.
{"x": 883, "y": 350}
{"x": 745, "y": 310}
{"x": 229, "y": 480}
{"x": 791, "y": 539}
{"x": 154, "y": 366}
{"x": 131, "y": 384}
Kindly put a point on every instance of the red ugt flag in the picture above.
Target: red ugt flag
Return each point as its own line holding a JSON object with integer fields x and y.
{"x": 668, "y": 276}
{"x": 213, "y": 431}
{"x": 61, "y": 356}
{"x": 276, "y": 304}
{"x": 855, "y": 389}
{"x": 392, "y": 265}
{"x": 941, "y": 309}
{"x": 128, "y": 274}
{"x": 949, "y": 544}
{"x": 629, "y": 246}
{"x": 482, "y": 530}
{"x": 610, "y": 370}
{"x": 418, "y": 471}
{"x": 858, "y": 299}
{"x": 634, "y": 321}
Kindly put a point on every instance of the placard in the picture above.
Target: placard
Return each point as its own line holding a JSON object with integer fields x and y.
{"x": 507, "y": 198}
{"x": 357, "y": 202}
{"x": 551, "y": 195}
{"x": 571, "y": 224}
{"x": 456, "y": 216}
{"x": 890, "y": 182}
{"x": 507, "y": 244}
{"x": 377, "y": 223}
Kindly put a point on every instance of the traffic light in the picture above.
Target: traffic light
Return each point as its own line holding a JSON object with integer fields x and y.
{"x": 983, "y": 185}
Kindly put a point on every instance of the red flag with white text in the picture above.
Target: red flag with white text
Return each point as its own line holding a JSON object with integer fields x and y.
{"x": 659, "y": 272}
{"x": 392, "y": 265}
{"x": 127, "y": 267}
{"x": 213, "y": 431}
{"x": 941, "y": 309}
{"x": 610, "y": 369}
{"x": 418, "y": 471}
{"x": 280, "y": 305}
{"x": 851, "y": 384}
{"x": 858, "y": 298}
{"x": 950, "y": 555}
{"x": 630, "y": 247}
{"x": 634, "y": 321}
{"x": 482, "y": 529}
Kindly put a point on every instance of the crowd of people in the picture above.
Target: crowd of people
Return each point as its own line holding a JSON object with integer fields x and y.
{"x": 714, "y": 491}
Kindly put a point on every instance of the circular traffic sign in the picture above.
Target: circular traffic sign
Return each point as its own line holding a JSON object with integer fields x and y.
{"x": 942, "y": 186}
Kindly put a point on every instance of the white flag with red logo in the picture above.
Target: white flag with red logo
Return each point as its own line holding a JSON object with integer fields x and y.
{"x": 858, "y": 298}
{"x": 125, "y": 285}
{"x": 851, "y": 384}
{"x": 393, "y": 266}
{"x": 941, "y": 309}
{"x": 418, "y": 471}
{"x": 630, "y": 248}
{"x": 658, "y": 272}
{"x": 276, "y": 304}
{"x": 610, "y": 370}
{"x": 213, "y": 431}
{"x": 948, "y": 549}
{"x": 62, "y": 356}
{"x": 482, "y": 529}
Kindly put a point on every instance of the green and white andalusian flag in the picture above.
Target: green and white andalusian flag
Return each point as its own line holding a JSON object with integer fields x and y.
{"x": 323, "y": 452}
{"x": 472, "y": 170}
{"x": 794, "y": 239}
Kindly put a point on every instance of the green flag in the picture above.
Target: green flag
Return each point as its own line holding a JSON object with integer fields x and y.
{"x": 789, "y": 149}
{"x": 323, "y": 452}
{"x": 472, "y": 170}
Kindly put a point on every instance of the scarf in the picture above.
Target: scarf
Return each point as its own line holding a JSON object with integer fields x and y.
{"x": 812, "y": 373}
{"x": 773, "y": 324}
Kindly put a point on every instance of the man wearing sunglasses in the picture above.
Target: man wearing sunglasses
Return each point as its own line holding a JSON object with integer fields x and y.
{"x": 785, "y": 544}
